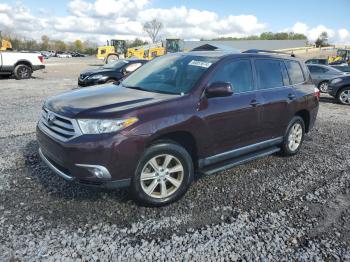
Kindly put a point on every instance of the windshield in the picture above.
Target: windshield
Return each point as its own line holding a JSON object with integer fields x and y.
{"x": 171, "y": 74}
{"x": 116, "y": 65}
{"x": 341, "y": 53}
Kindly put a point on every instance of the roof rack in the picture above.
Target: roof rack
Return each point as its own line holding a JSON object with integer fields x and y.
{"x": 256, "y": 51}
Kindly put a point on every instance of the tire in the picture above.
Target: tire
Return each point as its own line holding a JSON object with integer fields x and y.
{"x": 112, "y": 58}
{"x": 343, "y": 96}
{"x": 109, "y": 81}
{"x": 323, "y": 86}
{"x": 294, "y": 137}
{"x": 152, "y": 175}
{"x": 22, "y": 72}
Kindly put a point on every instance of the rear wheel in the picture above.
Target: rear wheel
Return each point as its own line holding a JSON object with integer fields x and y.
{"x": 343, "y": 96}
{"x": 323, "y": 86}
{"x": 294, "y": 137}
{"x": 22, "y": 72}
{"x": 163, "y": 175}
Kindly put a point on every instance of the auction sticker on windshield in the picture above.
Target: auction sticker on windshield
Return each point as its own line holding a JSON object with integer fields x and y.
{"x": 200, "y": 63}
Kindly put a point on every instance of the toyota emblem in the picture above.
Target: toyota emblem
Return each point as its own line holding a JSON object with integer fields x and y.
{"x": 50, "y": 118}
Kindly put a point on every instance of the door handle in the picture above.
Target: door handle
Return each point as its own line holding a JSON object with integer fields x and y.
{"x": 254, "y": 103}
{"x": 291, "y": 96}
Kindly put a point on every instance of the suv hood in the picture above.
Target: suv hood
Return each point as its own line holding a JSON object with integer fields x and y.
{"x": 102, "y": 102}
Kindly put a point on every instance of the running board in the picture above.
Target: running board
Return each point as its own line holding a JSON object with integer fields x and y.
{"x": 237, "y": 161}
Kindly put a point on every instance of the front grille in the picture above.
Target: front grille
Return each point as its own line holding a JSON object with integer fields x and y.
{"x": 60, "y": 127}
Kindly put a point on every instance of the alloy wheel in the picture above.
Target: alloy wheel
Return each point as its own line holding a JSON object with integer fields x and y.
{"x": 345, "y": 97}
{"x": 162, "y": 176}
{"x": 295, "y": 137}
{"x": 23, "y": 72}
{"x": 324, "y": 87}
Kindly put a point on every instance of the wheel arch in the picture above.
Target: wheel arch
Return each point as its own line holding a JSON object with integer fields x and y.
{"x": 341, "y": 89}
{"x": 24, "y": 62}
{"x": 305, "y": 115}
{"x": 183, "y": 138}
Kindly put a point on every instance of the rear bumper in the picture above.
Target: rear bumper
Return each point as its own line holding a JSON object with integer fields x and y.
{"x": 38, "y": 67}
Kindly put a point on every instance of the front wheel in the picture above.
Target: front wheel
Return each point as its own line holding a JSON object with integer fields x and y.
{"x": 163, "y": 175}
{"x": 343, "y": 96}
{"x": 294, "y": 137}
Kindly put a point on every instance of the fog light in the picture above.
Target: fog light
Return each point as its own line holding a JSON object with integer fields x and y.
{"x": 99, "y": 172}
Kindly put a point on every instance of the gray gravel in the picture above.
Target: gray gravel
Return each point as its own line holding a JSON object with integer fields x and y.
{"x": 273, "y": 209}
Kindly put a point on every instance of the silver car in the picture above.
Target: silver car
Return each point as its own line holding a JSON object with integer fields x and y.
{"x": 321, "y": 74}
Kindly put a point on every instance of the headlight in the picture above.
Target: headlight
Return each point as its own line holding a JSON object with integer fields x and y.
{"x": 99, "y": 126}
{"x": 96, "y": 76}
{"x": 336, "y": 81}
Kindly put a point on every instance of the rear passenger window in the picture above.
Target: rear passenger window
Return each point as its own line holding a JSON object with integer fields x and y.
{"x": 238, "y": 73}
{"x": 269, "y": 73}
{"x": 295, "y": 72}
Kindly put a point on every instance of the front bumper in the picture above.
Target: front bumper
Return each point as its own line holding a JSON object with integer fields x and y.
{"x": 91, "y": 82}
{"x": 98, "y": 160}
{"x": 333, "y": 89}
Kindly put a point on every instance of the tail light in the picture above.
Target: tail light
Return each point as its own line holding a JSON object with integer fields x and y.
{"x": 41, "y": 58}
{"x": 317, "y": 93}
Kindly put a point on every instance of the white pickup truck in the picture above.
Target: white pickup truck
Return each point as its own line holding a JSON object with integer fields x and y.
{"x": 20, "y": 64}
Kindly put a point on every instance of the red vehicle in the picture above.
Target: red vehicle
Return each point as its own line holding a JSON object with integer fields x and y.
{"x": 179, "y": 113}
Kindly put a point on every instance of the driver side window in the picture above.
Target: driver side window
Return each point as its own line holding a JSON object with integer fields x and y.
{"x": 238, "y": 73}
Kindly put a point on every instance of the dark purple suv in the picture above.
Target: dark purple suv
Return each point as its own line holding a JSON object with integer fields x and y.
{"x": 178, "y": 114}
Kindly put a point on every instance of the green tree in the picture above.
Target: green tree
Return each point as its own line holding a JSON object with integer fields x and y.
{"x": 45, "y": 42}
{"x": 136, "y": 42}
{"x": 78, "y": 46}
{"x": 267, "y": 36}
{"x": 322, "y": 40}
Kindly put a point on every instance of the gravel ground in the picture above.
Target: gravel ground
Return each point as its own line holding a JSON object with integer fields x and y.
{"x": 272, "y": 209}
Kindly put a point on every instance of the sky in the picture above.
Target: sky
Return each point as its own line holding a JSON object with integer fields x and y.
{"x": 99, "y": 20}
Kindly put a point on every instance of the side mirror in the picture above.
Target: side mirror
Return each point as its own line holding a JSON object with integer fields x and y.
{"x": 219, "y": 89}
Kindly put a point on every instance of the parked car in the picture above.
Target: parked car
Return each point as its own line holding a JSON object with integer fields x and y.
{"x": 339, "y": 88}
{"x": 321, "y": 74}
{"x": 77, "y": 54}
{"x": 20, "y": 64}
{"x": 63, "y": 55}
{"x": 109, "y": 73}
{"x": 177, "y": 114}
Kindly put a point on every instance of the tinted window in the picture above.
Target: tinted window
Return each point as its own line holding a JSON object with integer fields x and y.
{"x": 269, "y": 73}
{"x": 295, "y": 73}
{"x": 238, "y": 73}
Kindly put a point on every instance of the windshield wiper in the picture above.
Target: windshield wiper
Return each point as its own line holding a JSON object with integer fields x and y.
{"x": 150, "y": 90}
{"x": 136, "y": 87}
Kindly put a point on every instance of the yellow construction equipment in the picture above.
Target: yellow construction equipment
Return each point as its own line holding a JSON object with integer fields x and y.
{"x": 148, "y": 52}
{"x": 5, "y": 44}
{"x": 171, "y": 45}
{"x": 342, "y": 55}
{"x": 114, "y": 50}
